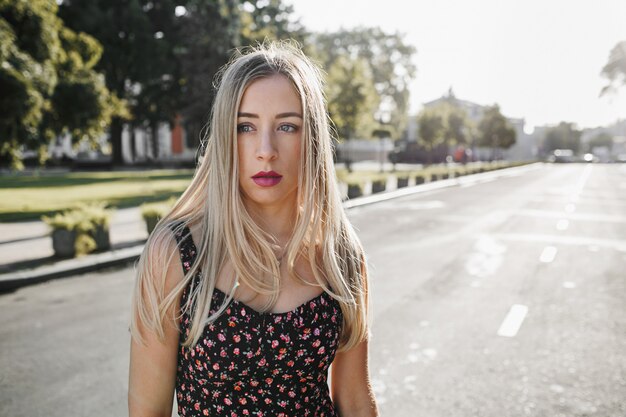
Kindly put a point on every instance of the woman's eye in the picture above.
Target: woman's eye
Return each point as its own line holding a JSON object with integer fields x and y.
{"x": 244, "y": 128}
{"x": 288, "y": 128}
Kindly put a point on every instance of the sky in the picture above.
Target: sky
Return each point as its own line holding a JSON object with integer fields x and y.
{"x": 538, "y": 59}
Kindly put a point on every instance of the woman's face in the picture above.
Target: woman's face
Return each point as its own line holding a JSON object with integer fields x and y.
{"x": 269, "y": 138}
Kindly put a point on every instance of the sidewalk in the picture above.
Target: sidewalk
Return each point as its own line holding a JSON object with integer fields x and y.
{"x": 26, "y": 255}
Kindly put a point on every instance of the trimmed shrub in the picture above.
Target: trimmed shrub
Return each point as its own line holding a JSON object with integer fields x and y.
{"x": 355, "y": 190}
{"x": 378, "y": 186}
{"x": 81, "y": 230}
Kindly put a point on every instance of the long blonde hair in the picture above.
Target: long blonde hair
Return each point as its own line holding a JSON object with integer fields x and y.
{"x": 322, "y": 232}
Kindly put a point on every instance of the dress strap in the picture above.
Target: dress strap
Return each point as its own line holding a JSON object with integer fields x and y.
{"x": 188, "y": 254}
{"x": 187, "y": 248}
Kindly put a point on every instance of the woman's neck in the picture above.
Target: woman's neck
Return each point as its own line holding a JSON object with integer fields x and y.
{"x": 278, "y": 221}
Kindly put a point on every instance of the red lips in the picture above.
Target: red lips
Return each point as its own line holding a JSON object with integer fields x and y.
{"x": 267, "y": 179}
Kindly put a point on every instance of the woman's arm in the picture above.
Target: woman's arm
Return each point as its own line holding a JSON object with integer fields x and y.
{"x": 350, "y": 385}
{"x": 152, "y": 374}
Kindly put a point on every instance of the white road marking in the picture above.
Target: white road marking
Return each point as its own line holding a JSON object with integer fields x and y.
{"x": 548, "y": 254}
{"x": 583, "y": 179}
{"x": 513, "y": 321}
{"x": 591, "y": 217}
{"x": 616, "y": 244}
{"x": 562, "y": 224}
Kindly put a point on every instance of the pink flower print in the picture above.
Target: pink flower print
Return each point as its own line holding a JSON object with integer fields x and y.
{"x": 283, "y": 404}
{"x": 290, "y": 364}
{"x": 274, "y": 344}
{"x": 205, "y": 412}
{"x": 312, "y": 305}
{"x": 268, "y": 401}
{"x": 245, "y": 412}
{"x": 316, "y": 343}
{"x": 316, "y": 332}
{"x": 291, "y": 394}
{"x": 227, "y": 401}
{"x": 205, "y": 392}
{"x": 321, "y": 351}
{"x": 196, "y": 406}
{"x": 237, "y": 338}
{"x": 221, "y": 337}
{"x": 262, "y": 362}
{"x": 223, "y": 353}
{"x": 236, "y": 351}
{"x": 243, "y": 312}
{"x": 216, "y": 366}
{"x": 285, "y": 338}
{"x": 268, "y": 381}
{"x": 243, "y": 401}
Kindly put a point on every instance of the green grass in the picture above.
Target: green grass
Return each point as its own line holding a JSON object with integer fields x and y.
{"x": 30, "y": 197}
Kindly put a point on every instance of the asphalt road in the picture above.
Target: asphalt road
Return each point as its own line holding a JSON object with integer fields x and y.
{"x": 502, "y": 298}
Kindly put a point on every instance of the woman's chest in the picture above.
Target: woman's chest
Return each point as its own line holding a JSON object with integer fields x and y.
{"x": 242, "y": 342}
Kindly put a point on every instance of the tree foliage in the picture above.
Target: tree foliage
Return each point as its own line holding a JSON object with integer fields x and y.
{"x": 48, "y": 81}
{"x": 389, "y": 59}
{"x": 431, "y": 128}
{"x": 162, "y": 55}
{"x": 563, "y": 136}
{"x": 615, "y": 68}
{"x": 352, "y": 98}
{"x": 494, "y": 130}
{"x": 600, "y": 140}
{"x": 139, "y": 62}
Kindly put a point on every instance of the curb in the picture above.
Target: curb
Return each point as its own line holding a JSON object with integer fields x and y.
{"x": 89, "y": 263}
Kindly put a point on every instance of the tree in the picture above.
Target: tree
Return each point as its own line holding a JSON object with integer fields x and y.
{"x": 615, "y": 68}
{"x": 139, "y": 60}
{"x": 495, "y": 131}
{"x": 204, "y": 49}
{"x": 352, "y": 98}
{"x": 269, "y": 19}
{"x": 563, "y": 136}
{"x": 431, "y": 129}
{"x": 601, "y": 140}
{"x": 48, "y": 82}
{"x": 390, "y": 61}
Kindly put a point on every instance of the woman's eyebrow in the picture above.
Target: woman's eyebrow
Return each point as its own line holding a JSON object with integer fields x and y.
{"x": 278, "y": 116}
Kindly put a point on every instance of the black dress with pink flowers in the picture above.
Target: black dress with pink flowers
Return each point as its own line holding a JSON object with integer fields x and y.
{"x": 248, "y": 363}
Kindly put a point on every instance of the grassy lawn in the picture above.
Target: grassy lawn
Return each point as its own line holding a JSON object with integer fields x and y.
{"x": 29, "y": 197}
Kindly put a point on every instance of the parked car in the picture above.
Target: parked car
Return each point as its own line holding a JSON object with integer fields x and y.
{"x": 562, "y": 155}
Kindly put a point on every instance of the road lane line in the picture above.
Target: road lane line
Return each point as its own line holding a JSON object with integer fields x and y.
{"x": 513, "y": 321}
{"x": 562, "y": 224}
{"x": 548, "y": 254}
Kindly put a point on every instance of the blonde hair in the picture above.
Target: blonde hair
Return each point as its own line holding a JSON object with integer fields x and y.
{"x": 322, "y": 232}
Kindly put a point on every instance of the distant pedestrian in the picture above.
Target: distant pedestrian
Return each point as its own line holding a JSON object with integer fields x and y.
{"x": 273, "y": 285}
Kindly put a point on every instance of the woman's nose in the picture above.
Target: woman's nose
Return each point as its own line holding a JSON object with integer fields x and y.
{"x": 266, "y": 149}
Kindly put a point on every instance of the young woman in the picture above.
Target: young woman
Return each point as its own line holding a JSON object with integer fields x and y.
{"x": 273, "y": 284}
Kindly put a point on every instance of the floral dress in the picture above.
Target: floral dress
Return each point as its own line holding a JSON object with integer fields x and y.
{"x": 248, "y": 363}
